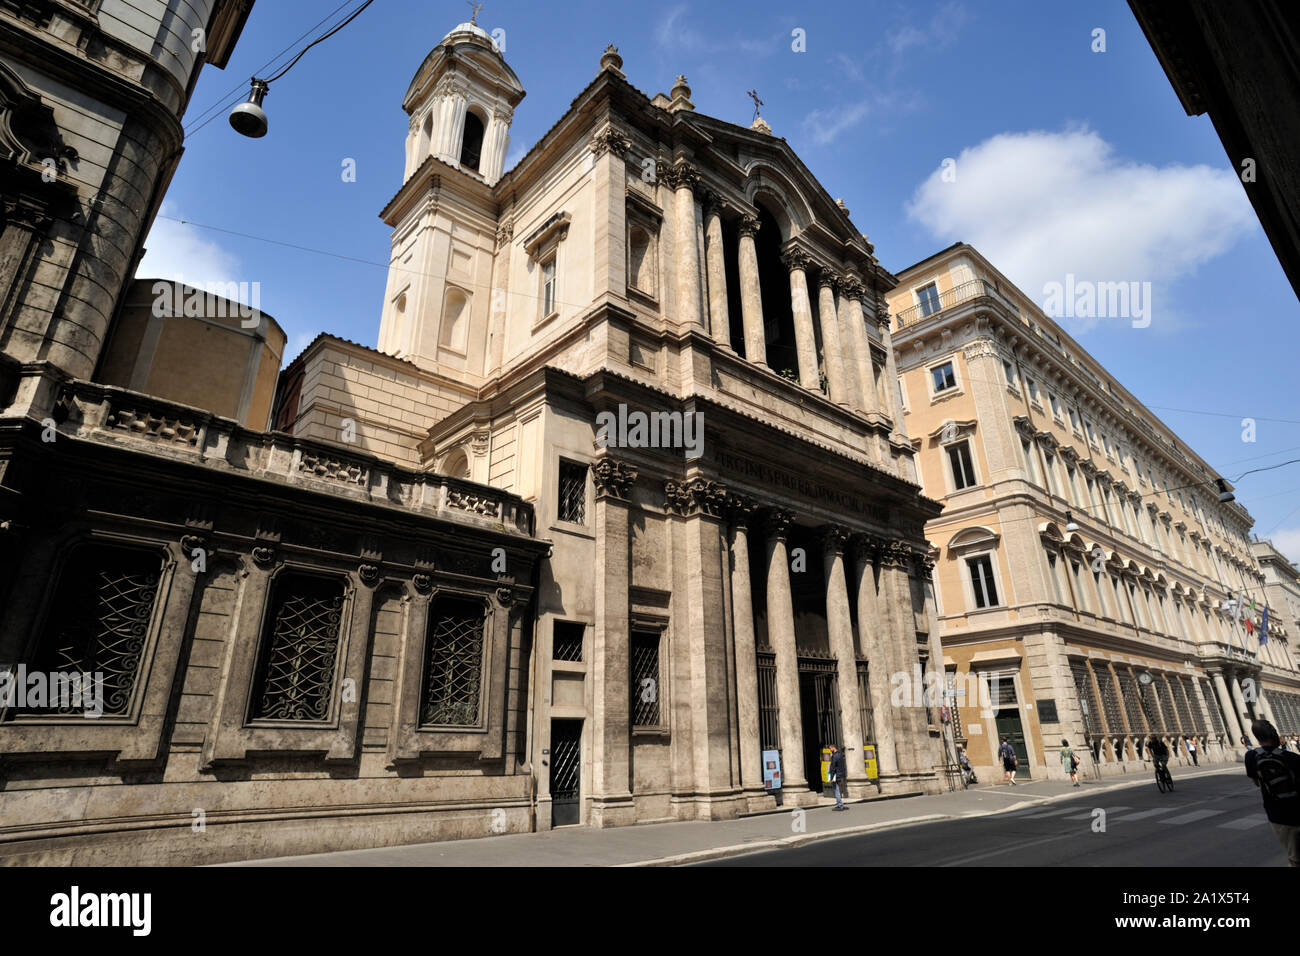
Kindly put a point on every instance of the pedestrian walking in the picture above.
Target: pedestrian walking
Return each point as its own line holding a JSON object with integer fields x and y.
{"x": 1009, "y": 762}
{"x": 1277, "y": 774}
{"x": 1191, "y": 750}
{"x": 1245, "y": 741}
{"x": 839, "y": 774}
{"x": 1070, "y": 762}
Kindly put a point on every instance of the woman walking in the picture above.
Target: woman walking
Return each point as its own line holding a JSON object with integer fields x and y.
{"x": 1070, "y": 762}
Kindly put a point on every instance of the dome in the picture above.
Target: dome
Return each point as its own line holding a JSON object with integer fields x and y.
{"x": 468, "y": 28}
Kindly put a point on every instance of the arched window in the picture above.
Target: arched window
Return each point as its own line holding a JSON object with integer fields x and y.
{"x": 471, "y": 144}
{"x": 456, "y": 465}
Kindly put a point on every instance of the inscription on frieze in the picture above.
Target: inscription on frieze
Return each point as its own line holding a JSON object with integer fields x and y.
{"x": 806, "y": 488}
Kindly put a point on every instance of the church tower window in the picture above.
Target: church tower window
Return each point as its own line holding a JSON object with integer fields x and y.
{"x": 472, "y": 142}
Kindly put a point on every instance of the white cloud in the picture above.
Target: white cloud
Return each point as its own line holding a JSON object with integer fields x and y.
{"x": 179, "y": 252}
{"x": 1287, "y": 540}
{"x": 825, "y": 126}
{"x": 1041, "y": 205}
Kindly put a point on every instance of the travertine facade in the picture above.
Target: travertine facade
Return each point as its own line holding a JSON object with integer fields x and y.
{"x": 708, "y": 599}
{"x": 1083, "y": 547}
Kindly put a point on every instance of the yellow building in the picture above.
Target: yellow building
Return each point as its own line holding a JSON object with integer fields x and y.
{"x": 1085, "y": 562}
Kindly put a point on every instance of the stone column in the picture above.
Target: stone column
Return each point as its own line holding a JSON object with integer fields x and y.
{"x": 857, "y": 324}
{"x": 893, "y": 399}
{"x": 832, "y": 353}
{"x": 912, "y": 727}
{"x": 610, "y": 726}
{"x": 719, "y": 313}
{"x": 848, "y": 350}
{"x": 805, "y": 339}
{"x": 700, "y": 503}
{"x": 780, "y": 633}
{"x": 609, "y": 220}
{"x": 839, "y": 626}
{"x": 1243, "y": 712}
{"x": 746, "y": 651}
{"x": 1228, "y": 707}
{"x": 683, "y": 179}
{"x": 751, "y": 296}
{"x": 873, "y": 633}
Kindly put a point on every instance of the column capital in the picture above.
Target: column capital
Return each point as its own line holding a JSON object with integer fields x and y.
{"x": 896, "y": 554}
{"x": 696, "y": 495}
{"x": 882, "y": 313}
{"x": 748, "y": 226}
{"x": 829, "y": 278}
{"x": 741, "y": 509}
{"x": 678, "y": 175}
{"x": 865, "y": 547}
{"x": 852, "y": 288}
{"x": 610, "y": 139}
{"x": 613, "y": 478}
{"x": 712, "y": 201}
{"x": 833, "y": 538}
{"x": 796, "y": 257}
{"x": 776, "y": 522}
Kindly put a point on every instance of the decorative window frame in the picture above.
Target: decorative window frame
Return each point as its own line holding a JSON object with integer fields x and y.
{"x": 641, "y": 213}
{"x": 958, "y": 387}
{"x": 652, "y": 624}
{"x": 543, "y": 243}
{"x": 969, "y": 544}
{"x": 138, "y": 736}
{"x": 407, "y": 739}
{"x": 232, "y": 737}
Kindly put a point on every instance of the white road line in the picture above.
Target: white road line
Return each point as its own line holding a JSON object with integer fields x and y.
{"x": 1245, "y": 823}
{"x": 1193, "y": 816}
{"x": 1142, "y": 815}
{"x": 1038, "y": 815}
{"x": 1088, "y": 815}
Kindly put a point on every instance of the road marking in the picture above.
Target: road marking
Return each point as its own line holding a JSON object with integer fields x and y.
{"x": 1192, "y": 817}
{"x": 1142, "y": 815}
{"x": 1039, "y": 814}
{"x": 1245, "y": 823}
{"x": 1088, "y": 815}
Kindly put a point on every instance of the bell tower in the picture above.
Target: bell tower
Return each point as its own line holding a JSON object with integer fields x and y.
{"x": 460, "y": 105}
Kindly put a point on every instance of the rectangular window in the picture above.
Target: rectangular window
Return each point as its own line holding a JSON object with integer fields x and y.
{"x": 928, "y": 297}
{"x": 295, "y": 676}
{"x": 573, "y": 492}
{"x": 567, "y": 644}
{"x": 1073, "y": 489}
{"x": 1050, "y": 470}
{"x": 1074, "y": 419}
{"x": 1053, "y": 572}
{"x": 1076, "y": 571}
{"x": 453, "y": 664}
{"x": 1092, "y": 434}
{"x": 645, "y": 680}
{"x": 1032, "y": 386}
{"x": 943, "y": 377}
{"x": 1056, "y": 406}
{"x": 981, "y": 580}
{"x": 548, "y": 286}
{"x": 963, "y": 469}
{"x": 1009, "y": 371}
{"x": 1028, "y": 451}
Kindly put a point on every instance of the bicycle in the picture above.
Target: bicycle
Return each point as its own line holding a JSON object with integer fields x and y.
{"x": 1164, "y": 779}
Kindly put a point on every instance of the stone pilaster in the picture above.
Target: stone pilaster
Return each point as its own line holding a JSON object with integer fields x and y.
{"x": 751, "y": 297}
{"x": 839, "y": 626}
{"x": 1239, "y": 711}
{"x": 891, "y": 363}
{"x": 611, "y": 799}
{"x": 848, "y": 349}
{"x": 911, "y": 727}
{"x": 852, "y": 294}
{"x": 805, "y": 338}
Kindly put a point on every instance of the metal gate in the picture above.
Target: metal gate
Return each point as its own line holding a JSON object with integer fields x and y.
{"x": 769, "y": 715}
{"x": 819, "y": 699}
{"x": 566, "y": 764}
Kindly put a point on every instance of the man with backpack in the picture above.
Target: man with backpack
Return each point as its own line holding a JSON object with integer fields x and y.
{"x": 1009, "y": 761}
{"x": 839, "y": 773}
{"x": 1277, "y": 774}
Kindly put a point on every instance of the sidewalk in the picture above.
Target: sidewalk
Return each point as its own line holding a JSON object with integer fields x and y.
{"x": 665, "y": 844}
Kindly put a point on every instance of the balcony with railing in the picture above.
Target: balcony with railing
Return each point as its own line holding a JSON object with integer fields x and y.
{"x": 957, "y": 295}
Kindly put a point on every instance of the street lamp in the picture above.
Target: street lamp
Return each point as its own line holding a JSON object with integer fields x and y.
{"x": 1070, "y": 524}
{"x": 248, "y": 118}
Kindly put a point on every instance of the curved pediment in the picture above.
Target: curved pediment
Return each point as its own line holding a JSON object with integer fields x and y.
{"x": 977, "y": 537}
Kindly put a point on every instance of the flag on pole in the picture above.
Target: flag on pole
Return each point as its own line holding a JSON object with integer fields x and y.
{"x": 1263, "y": 627}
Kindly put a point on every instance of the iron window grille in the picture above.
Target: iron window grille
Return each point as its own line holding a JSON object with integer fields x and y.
{"x": 645, "y": 680}
{"x": 300, "y": 650}
{"x": 1109, "y": 700}
{"x": 567, "y": 645}
{"x": 573, "y": 492}
{"x": 453, "y": 666}
{"x": 1167, "y": 705}
{"x": 1087, "y": 696}
{"x": 864, "y": 702}
{"x": 769, "y": 713}
{"x": 1132, "y": 703}
{"x": 98, "y": 626}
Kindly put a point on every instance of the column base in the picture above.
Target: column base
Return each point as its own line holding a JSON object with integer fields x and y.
{"x": 859, "y": 789}
{"x": 759, "y": 800}
{"x": 612, "y": 811}
{"x": 799, "y": 797}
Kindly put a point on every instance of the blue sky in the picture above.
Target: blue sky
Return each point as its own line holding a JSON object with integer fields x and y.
{"x": 1067, "y": 160}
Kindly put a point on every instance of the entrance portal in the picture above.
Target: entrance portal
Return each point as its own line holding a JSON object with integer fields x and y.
{"x": 819, "y": 704}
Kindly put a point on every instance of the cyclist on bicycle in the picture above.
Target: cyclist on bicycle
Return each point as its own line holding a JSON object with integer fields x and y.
{"x": 1159, "y": 752}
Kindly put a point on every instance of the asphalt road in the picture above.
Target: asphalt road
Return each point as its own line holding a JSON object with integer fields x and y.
{"x": 1206, "y": 821}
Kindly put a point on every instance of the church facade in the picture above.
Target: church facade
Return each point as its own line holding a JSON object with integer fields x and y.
{"x": 662, "y": 333}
